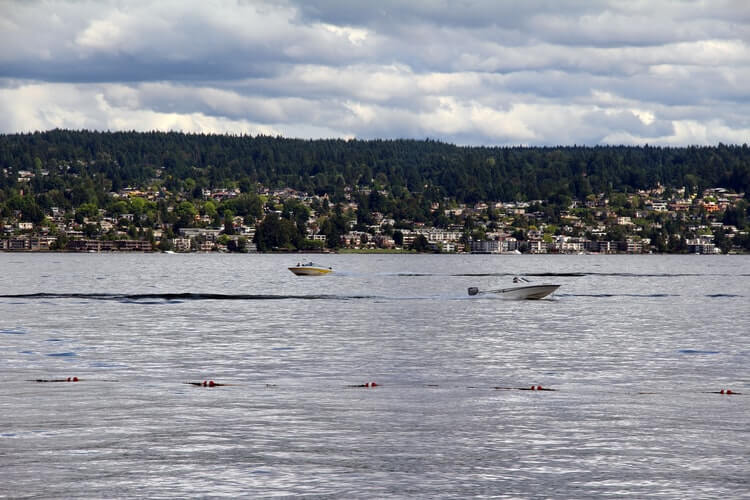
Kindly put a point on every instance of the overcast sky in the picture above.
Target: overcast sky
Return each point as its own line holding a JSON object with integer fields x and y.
{"x": 463, "y": 71}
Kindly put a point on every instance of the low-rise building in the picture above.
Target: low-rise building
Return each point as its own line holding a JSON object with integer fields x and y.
{"x": 209, "y": 234}
{"x": 484, "y": 246}
{"x": 703, "y": 244}
{"x": 181, "y": 244}
{"x": 88, "y": 245}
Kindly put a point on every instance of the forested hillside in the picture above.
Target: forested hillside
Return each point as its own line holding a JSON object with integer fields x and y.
{"x": 109, "y": 161}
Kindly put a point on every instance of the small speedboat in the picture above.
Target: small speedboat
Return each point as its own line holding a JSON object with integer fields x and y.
{"x": 525, "y": 291}
{"x": 310, "y": 269}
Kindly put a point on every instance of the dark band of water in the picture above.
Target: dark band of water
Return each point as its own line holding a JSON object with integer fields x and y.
{"x": 187, "y": 296}
{"x": 181, "y": 296}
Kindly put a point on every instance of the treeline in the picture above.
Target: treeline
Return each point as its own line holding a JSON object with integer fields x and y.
{"x": 109, "y": 161}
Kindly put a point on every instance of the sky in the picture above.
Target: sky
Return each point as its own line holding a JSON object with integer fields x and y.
{"x": 468, "y": 72}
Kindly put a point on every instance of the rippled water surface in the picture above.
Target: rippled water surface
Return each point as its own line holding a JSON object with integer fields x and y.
{"x": 635, "y": 348}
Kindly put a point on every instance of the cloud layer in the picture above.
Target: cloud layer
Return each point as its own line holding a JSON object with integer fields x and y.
{"x": 470, "y": 72}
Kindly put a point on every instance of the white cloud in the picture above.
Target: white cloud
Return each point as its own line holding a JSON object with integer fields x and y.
{"x": 104, "y": 34}
{"x": 354, "y": 35}
{"x": 45, "y": 106}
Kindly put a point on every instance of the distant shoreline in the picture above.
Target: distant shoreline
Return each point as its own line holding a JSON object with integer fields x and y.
{"x": 350, "y": 251}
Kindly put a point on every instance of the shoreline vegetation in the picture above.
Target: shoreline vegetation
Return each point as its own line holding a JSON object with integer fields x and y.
{"x": 83, "y": 191}
{"x": 347, "y": 251}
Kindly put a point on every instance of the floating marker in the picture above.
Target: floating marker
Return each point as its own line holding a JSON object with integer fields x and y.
{"x": 367, "y": 384}
{"x": 207, "y": 383}
{"x": 532, "y": 388}
{"x": 68, "y": 379}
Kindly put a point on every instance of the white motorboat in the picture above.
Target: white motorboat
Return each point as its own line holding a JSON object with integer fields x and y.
{"x": 526, "y": 291}
{"x": 310, "y": 269}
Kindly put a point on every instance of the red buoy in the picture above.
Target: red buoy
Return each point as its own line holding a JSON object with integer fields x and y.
{"x": 205, "y": 383}
{"x": 721, "y": 391}
{"x": 371, "y": 384}
{"x": 729, "y": 391}
{"x": 539, "y": 388}
{"x": 75, "y": 379}
{"x": 68, "y": 380}
{"x": 211, "y": 383}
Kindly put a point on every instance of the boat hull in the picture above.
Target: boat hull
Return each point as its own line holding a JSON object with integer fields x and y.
{"x": 310, "y": 271}
{"x": 529, "y": 292}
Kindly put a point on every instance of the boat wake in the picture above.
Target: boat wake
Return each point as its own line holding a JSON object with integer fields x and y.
{"x": 181, "y": 297}
{"x": 607, "y": 295}
{"x": 571, "y": 274}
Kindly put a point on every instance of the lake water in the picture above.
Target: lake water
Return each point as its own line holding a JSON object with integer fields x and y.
{"x": 636, "y": 349}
